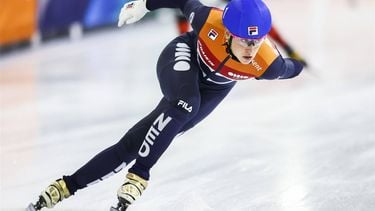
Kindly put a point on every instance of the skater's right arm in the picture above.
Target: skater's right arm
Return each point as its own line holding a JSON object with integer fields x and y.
{"x": 193, "y": 10}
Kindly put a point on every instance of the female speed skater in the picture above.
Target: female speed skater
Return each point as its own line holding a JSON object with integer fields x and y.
{"x": 196, "y": 71}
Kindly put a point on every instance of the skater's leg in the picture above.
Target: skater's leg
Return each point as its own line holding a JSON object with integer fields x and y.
{"x": 104, "y": 164}
{"x": 112, "y": 159}
{"x": 159, "y": 136}
{"x": 210, "y": 97}
{"x": 171, "y": 121}
{"x": 166, "y": 126}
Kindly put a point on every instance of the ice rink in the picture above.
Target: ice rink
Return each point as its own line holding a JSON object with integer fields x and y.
{"x": 306, "y": 144}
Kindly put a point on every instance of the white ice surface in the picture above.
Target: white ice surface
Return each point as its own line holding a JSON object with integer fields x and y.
{"x": 305, "y": 144}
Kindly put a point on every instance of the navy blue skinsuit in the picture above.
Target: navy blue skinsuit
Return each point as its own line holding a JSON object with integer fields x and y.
{"x": 190, "y": 92}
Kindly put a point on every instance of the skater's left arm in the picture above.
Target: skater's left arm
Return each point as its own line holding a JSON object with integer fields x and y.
{"x": 279, "y": 68}
{"x": 282, "y": 68}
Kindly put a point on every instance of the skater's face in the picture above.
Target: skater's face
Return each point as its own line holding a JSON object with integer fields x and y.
{"x": 245, "y": 49}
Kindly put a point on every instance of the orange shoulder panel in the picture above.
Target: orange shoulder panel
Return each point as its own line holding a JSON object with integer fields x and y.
{"x": 212, "y": 39}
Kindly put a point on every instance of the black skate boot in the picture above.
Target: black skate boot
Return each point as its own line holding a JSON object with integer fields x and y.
{"x": 294, "y": 55}
{"x": 130, "y": 191}
{"x": 53, "y": 194}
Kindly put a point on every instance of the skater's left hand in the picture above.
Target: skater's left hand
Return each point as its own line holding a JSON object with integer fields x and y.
{"x": 132, "y": 12}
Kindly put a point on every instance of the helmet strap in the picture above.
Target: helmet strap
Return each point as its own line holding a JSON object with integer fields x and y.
{"x": 228, "y": 49}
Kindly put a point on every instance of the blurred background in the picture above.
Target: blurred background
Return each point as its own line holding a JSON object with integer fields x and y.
{"x": 72, "y": 83}
{"x": 26, "y": 22}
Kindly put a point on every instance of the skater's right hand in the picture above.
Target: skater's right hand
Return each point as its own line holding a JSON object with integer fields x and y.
{"x": 132, "y": 12}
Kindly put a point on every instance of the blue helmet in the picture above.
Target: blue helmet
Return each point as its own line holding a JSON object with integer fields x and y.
{"x": 249, "y": 19}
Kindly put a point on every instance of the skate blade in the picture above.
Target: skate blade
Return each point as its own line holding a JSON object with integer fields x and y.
{"x": 113, "y": 209}
{"x": 31, "y": 207}
{"x": 119, "y": 208}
